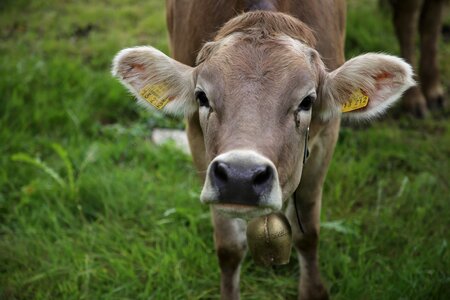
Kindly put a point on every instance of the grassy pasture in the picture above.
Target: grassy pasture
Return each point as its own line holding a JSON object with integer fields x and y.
{"x": 91, "y": 209}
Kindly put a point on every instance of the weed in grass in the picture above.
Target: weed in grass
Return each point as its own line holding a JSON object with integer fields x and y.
{"x": 69, "y": 184}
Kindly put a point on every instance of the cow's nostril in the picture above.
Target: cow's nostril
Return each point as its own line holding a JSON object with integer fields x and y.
{"x": 262, "y": 175}
{"x": 221, "y": 171}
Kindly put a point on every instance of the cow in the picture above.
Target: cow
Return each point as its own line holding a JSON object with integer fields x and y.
{"x": 428, "y": 15}
{"x": 261, "y": 83}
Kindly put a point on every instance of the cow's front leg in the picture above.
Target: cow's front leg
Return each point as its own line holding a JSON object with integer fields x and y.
{"x": 231, "y": 245}
{"x": 306, "y": 244}
{"x": 308, "y": 197}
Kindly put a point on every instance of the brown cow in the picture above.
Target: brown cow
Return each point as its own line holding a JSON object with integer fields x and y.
{"x": 258, "y": 87}
{"x": 428, "y": 15}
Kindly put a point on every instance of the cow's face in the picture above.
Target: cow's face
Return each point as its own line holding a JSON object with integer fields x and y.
{"x": 255, "y": 103}
{"x": 255, "y": 106}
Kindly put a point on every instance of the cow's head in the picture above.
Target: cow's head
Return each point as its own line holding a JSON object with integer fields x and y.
{"x": 256, "y": 88}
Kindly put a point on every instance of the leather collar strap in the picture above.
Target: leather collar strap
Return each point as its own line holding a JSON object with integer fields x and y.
{"x": 305, "y": 157}
{"x": 297, "y": 212}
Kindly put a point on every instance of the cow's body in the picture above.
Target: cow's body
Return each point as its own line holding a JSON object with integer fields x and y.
{"x": 191, "y": 24}
{"x": 260, "y": 84}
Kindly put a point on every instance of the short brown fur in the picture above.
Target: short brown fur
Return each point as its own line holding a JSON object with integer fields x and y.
{"x": 259, "y": 25}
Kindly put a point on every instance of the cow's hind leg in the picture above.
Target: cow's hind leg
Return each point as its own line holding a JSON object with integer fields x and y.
{"x": 430, "y": 28}
{"x": 406, "y": 16}
{"x": 231, "y": 245}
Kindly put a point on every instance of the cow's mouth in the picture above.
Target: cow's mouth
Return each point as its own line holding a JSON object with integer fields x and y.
{"x": 246, "y": 212}
{"x": 242, "y": 183}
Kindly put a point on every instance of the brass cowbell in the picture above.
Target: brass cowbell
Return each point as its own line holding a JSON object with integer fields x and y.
{"x": 269, "y": 239}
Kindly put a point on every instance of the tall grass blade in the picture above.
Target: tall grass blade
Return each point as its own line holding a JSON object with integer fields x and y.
{"x": 25, "y": 158}
{"x": 338, "y": 226}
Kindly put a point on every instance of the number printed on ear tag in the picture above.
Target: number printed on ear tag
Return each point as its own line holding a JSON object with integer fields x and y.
{"x": 356, "y": 101}
{"x": 154, "y": 94}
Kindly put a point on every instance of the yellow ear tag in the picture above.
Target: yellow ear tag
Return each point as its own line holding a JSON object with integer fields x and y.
{"x": 356, "y": 101}
{"x": 153, "y": 94}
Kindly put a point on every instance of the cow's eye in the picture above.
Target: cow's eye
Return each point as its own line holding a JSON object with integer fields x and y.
{"x": 202, "y": 99}
{"x": 306, "y": 103}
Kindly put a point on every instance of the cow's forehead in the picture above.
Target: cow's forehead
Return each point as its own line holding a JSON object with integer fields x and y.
{"x": 240, "y": 62}
{"x": 280, "y": 52}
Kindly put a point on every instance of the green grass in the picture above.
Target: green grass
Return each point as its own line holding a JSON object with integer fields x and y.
{"x": 91, "y": 209}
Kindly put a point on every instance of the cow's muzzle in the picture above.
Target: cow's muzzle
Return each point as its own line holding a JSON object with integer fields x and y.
{"x": 242, "y": 182}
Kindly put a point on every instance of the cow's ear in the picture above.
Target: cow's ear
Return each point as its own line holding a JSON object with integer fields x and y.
{"x": 156, "y": 80}
{"x": 365, "y": 86}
